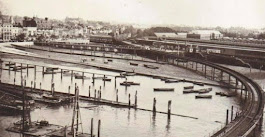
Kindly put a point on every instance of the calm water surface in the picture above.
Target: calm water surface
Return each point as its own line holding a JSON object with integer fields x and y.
{"x": 121, "y": 122}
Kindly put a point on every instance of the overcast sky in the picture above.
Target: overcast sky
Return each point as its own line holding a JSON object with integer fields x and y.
{"x": 225, "y": 13}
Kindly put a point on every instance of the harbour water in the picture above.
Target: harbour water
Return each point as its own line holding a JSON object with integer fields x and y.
{"x": 211, "y": 113}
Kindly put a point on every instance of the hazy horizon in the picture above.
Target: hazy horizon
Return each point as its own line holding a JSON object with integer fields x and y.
{"x": 205, "y": 13}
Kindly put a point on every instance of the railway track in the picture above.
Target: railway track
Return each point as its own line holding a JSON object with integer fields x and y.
{"x": 252, "y": 112}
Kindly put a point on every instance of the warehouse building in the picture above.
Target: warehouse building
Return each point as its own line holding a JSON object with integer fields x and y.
{"x": 205, "y": 34}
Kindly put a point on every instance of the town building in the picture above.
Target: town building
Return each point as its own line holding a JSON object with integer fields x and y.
{"x": 205, "y": 34}
{"x": 165, "y": 34}
{"x": 29, "y": 26}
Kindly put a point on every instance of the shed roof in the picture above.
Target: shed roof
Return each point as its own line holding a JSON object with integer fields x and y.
{"x": 165, "y": 34}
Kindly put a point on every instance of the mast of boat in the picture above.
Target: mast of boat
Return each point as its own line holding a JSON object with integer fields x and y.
{"x": 76, "y": 115}
{"x": 26, "y": 119}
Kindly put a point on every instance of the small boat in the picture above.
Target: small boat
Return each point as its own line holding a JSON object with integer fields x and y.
{"x": 198, "y": 83}
{"x": 49, "y": 72}
{"x": 20, "y": 102}
{"x": 171, "y": 81}
{"x": 203, "y": 96}
{"x": 17, "y": 68}
{"x": 150, "y": 66}
{"x": 78, "y": 76}
{"x": 225, "y": 94}
{"x": 133, "y": 64}
{"x": 125, "y": 84}
{"x": 106, "y": 79}
{"x": 51, "y": 69}
{"x": 188, "y": 87}
{"x": 188, "y": 91}
{"x": 203, "y": 91}
{"x": 66, "y": 73}
{"x": 127, "y": 74}
{"x": 11, "y": 64}
{"x": 83, "y": 60}
{"x": 129, "y": 83}
{"x": 164, "y": 89}
{"x": 163, "y": 79}
{"x": 156, "y": 77}
{"x": 181, "y": 60}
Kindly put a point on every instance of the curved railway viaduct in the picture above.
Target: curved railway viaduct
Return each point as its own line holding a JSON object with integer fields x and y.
{"x": 246, "y": 123}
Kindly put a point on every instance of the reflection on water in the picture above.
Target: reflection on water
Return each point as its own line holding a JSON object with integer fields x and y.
{"x": 122, "y": 121}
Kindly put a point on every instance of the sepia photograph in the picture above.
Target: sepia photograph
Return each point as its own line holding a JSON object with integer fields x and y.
{"x": 132, "y": 68}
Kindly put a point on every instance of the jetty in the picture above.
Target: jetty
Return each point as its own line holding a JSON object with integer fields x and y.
{"x": 64, "y": 97}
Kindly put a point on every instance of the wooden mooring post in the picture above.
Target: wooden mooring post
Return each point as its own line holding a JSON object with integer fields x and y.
{"x": 93, "y": 79}
{"x": 61, "y": 73}
{"x": 95, "y": 94}
{"x": 154, "y": 106}
{"x": 21, "y": 71}
{"x": 72, "y": 75}
{"x": 169, "y": 109}
{"x": 227, "y": 113}
{"x": 9, "y": 66}
{"x": 35, "y": 71}
{"x": 117, "y": 96}
{"x": 104, "y": 81}
{"x": 27, "y": 69}
{"x": 115, "y": 81}
{"x": 91, "y": 130}
{"x": 99, "y": 123}
{"x": 135, "y": 99}
{"x": 129, "y": 100}
{"x": 232, "y": 109}
{"x": 89, "y": 91}
{"x": 52, "y": 75}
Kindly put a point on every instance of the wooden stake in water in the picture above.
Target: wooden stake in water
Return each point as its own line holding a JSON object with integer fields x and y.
{"x": 95, "y": 95}
{"x": 103, "y": 81}
{"x": 232, "y": 109}
{"x": 99, "y": 123}
{"x": 169, "y": 109}
{"x": 93, "y": 79}
{"x": 227, "y": 113}
{"x": 91, "y": 130}
{"x": 154, "y": 106}
{"x": 117, "y": 96}
{"x": 135, "y": 102}
{"x": 89, "y": 92}
{"x": 61, "y": 73}
{"x": 115, "y": 81}
{"x": 129, "y": 100}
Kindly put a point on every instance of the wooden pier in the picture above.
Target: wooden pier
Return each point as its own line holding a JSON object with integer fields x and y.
{"x": 17, "y": 90}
